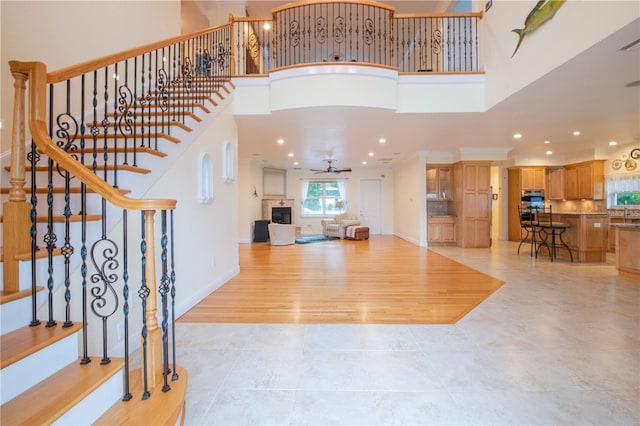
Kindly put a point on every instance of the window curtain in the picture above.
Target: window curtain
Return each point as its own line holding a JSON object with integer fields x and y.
{"x": 305, "y": 190}
{"x": 342, "y": 187}
{"x": 628, "y": 182}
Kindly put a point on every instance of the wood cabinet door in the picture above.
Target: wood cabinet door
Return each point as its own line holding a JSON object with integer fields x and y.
{"x": 448, "y": 232}
{"x": 585, "y": 181}
{"x": 444, "y": 184}
{"x": 434, "y": 232}
{"x": 432, "y": 183}
{"x": 555, "y": 184}
{"x": 571, "y": 183}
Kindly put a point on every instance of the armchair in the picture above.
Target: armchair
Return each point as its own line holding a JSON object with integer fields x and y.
{"x": 336, "y": 226}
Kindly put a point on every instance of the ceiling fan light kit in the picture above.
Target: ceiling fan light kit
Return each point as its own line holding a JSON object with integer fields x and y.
{"x": 331, "y": 169}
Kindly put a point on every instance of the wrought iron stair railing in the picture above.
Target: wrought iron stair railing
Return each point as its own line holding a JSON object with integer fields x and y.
{"x": 90, "y": 125}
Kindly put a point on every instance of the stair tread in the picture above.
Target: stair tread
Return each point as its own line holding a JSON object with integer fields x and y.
{"x": 89, "y": 136}
{"x": 162, "y": 408}
{"x": 100, "y": 167}
{"x": 61, "y": 190}
{"x": 50, "y": 399}
{"x": 10, "y": 296}
{"x": 25, "y": 341}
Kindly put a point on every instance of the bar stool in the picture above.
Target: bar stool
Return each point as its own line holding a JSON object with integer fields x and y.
{"x": 529, "y": 221}
{"x": 554, "y": 229}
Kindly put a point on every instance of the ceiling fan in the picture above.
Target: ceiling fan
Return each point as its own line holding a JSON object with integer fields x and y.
{"x": 331, "y": 169}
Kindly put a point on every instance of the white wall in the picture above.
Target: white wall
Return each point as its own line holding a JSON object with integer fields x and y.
{"x": 64, "y": 33}
{"x": 250, "y": 208}
{"x": 549, "y": 46}
{"x": 409, "y": 201}
{"x": 206, "y": 234}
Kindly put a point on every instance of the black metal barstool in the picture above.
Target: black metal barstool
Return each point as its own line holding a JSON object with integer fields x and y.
{"x": 554, "y": 229}
{"x": 529, "y": 222}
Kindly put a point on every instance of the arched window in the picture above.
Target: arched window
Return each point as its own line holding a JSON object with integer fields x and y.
{"x": 227, "y": 162}
{"x": 205, "y": 178}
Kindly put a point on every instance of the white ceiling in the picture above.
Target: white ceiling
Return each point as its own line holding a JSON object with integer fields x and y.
{"x": 587, "y": 93}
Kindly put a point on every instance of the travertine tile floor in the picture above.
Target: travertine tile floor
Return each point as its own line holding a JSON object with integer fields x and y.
{"x": 559, "y": 343}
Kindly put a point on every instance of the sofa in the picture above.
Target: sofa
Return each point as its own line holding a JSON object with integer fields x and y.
{"x": 336, "y": 226}
{"x": 282, "y": 234}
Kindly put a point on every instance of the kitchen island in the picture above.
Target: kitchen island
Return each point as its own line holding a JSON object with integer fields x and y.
{"x": 587, "y": 235}
{"x": 627, "y": 249}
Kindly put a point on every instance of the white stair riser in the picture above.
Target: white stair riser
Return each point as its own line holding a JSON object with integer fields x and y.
{"x": 21, "y": 375}
{"x": 95, "y": 404}
{"x": 17, "y": 314}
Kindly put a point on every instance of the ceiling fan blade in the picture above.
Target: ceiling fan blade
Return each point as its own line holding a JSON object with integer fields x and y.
{"x": 317, "y": 171}
{"x": 342, "y": 170}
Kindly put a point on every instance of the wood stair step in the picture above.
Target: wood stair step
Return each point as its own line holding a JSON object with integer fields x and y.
{"x": 74, "y": 218}
{"x": 121, "y": 167}
{"x": 47, "y": 401}
{"x": 162, "y": 408}
{"x": 25, "y": 341}
{"x": 61, "y": 190}
{"x": 169, "y": 123}
{"x": 160, "y": 113}
{"x": 10, "y": 296}
{"x": 153, "y": 135}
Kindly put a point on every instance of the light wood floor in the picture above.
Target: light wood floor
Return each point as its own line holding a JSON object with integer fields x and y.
{"x": 383, "y": 280}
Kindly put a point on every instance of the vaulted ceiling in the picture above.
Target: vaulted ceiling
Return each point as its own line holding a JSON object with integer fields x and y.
{"x": 589, "y": 93}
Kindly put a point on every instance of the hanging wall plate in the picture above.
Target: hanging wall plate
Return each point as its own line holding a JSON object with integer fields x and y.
{"x": 630, "y": 164}
{"x": 616, "y": 164}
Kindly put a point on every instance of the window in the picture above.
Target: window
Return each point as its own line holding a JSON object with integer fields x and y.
{"x": 320, "y": 198}
{"x": 623, "y": 190}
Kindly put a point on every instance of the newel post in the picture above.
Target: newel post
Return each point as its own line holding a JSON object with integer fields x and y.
{"x": 154, "y": 333}
{"x": 16, "y": 211}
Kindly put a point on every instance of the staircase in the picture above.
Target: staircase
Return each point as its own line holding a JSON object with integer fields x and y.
{"x": 87, "y": 332}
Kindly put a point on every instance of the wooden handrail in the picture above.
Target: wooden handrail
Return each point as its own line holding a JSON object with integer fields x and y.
{"x": 37, "y": 74}
{"x": 99, "y": 63}
{"x": 313, "y": 3}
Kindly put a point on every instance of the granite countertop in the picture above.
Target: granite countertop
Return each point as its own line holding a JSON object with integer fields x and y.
{"x": 627, "y": 225}
{"x": 584, "y": 213}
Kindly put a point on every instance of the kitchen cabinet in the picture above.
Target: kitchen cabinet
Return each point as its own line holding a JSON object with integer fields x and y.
{"x": 441, "y": 229}
{"x": 521, "y": 178}
{"x": 585, "y": 181}
{"x": 555, "y": 183}
{"x": 532, "y": 178}
{"x": 472, "y": 203}
{"x": 439, "y": 184}
{"x": 627, "y": 248}
{"x": 587, "y": 236}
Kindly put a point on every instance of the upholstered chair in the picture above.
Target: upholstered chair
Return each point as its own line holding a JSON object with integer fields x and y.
{"x": 336, "y": 226}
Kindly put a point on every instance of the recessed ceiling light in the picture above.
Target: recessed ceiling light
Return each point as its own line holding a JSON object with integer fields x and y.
{"x": 371, "y": 154}
{"x": 382, "y": 140}
{"x": 517, "y": 136}
{"x": 613, "y": 143}
{"x": 364, "y": 163}
{"x": 291, "y": 154}
{"x": 549, "y": 152}
{"x": 576, "y": 133}
{"x": 280, "y": 141}
{"x": 266, "y": 26}
{"x": 295, "y": 163}
{"x": 547, "y": 142}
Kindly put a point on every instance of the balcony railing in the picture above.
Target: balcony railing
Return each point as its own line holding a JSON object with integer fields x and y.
{"x": 362, "y": 32}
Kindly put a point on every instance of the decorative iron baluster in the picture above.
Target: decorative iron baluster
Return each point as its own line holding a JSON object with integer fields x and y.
{"x": 135, "y": 112}
{"x": 126, "y": 122}
{"x": 164, "y": 289}
{"x": 50, "y": 238}
{"x": 148, "y": 100}
{"x": 125, "y": 300}
{"x": 174, "y": 377}
{"x": 95, "y": 131}
{"x": 116, "y": 122}
{"x": 106, "y": 123}
{"x": 33, "y": 157}
{"x": 143, "y": 293}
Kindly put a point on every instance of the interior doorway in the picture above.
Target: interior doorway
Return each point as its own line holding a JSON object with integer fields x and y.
{"x": 371, "y": 205}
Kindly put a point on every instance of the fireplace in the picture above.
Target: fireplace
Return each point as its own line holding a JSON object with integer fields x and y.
{"x": 281, "y": 215}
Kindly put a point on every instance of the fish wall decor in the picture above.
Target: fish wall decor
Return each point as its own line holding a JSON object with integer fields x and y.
{"x": 541, "y": 13}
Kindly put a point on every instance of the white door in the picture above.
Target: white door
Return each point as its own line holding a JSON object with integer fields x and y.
{"x": 371, "y": 205}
